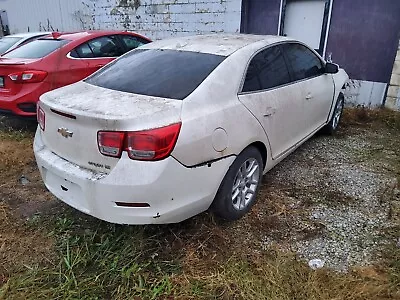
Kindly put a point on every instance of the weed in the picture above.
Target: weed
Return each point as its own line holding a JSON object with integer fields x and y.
{"x": 192, "y": 260}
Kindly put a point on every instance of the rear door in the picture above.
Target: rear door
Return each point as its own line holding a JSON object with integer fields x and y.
{"x": 269, "y": 95}
{"x": 308, "y": 70}
{"x": 96, "y": 53}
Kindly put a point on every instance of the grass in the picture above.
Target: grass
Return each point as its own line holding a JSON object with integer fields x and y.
{"x": 197, "y": 259}
{"x": 369, "y": 117}
{"x": 103, "y": 261}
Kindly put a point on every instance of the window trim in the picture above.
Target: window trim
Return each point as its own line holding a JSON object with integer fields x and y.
{"x": 240, "y": 90}
{"x": 126, "y": 49}
{"x": 323, "y": 63}
{"x": 103, "y": 57}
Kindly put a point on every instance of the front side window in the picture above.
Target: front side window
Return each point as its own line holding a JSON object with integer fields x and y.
{"x": 106, "y": 46}
{"x": 155, "y": 72}
{"x": 266, "y": 70}
{"x": 132, "y": 42}
{"x": 304, "y": 63}
{"x": 36, "y": 49}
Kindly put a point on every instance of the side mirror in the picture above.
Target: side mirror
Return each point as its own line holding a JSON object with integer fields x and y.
{"x": 331, "y": 68}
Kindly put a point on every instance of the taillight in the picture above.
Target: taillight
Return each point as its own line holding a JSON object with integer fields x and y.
{"x": 41, "y": 117}
{"x": 28, "y": 76}
{"x": 110, "y": 143}
{"x": 153, "y": 144}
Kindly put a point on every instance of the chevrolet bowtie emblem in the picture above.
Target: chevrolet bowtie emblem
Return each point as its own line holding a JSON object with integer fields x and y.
{"x": 65, "y": 132}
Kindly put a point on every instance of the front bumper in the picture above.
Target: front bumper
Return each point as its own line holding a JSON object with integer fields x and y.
{"x": 174, "y": 192}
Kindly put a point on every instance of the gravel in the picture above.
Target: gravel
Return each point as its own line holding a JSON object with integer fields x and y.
{"x": 340, "y": 194}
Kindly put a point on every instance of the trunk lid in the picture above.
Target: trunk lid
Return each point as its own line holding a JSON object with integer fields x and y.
{"x": 74, "y": 114}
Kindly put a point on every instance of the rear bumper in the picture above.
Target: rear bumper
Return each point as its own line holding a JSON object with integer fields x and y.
{"x": 28, "y": 96}
{"x": 173, "y": 191}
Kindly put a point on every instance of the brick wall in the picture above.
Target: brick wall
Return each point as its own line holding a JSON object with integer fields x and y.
{"x": 159, "y": 19}
{"x": 393, "y": 96}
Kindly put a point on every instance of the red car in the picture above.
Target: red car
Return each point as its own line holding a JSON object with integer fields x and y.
{"x": 55, "y": 61}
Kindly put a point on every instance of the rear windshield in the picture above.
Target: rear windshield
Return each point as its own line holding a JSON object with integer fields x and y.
{"x": 159, "y": 73}
{"x": 36, "y": 49}
{"x": 7, "y": 42}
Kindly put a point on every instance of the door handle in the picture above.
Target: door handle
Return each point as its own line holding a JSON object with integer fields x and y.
{"x": 269, "y": 112}
{"x": 309, "y": 97}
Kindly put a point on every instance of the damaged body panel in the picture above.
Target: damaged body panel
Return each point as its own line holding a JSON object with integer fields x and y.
{"x": 170, "y": 129}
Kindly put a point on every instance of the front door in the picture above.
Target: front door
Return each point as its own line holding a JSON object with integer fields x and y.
{"x": 306, "y": 21}
{"x": 317, "y": 88}
{"x": 276, "y": 103}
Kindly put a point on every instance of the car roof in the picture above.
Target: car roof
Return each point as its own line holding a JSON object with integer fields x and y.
{"x": 73, "y": 36}
{"x": 219, "y": 44}
{"x": 28, "y": 34}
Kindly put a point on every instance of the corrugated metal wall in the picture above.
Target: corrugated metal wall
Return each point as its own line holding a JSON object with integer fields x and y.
{"x": 47, "y": 15}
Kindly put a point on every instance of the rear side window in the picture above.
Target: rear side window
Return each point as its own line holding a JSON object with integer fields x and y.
{"x": 106, "y": 46}
{"x": 37, "y": 49}
{"x": 266, "y": 70}
{"x": 7, "y": 42}
{"x": 304, "y": 63}
{"x": 159, "y": 73}
{"x": 132, "y": 42}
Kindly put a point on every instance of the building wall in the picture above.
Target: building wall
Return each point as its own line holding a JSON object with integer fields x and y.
{"x": 156, "y": 19}
{"x": 260, "y": 16}
{"x": 47, "y": 15}
{"x": 393, "y": 96}
{"x": 159, "y": 19}
{"x": 364, "y": 36}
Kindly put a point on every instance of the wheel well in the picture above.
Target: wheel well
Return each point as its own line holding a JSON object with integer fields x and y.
{"x": 263, "y": 150}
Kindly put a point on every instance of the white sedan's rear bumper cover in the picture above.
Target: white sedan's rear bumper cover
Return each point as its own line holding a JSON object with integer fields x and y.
{"x": 173, "y": 191}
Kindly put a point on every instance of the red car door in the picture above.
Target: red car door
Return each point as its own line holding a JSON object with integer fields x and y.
{"x": 97, "y": 53}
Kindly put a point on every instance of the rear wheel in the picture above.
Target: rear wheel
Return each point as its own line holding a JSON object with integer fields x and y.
{"x": 240, "y": 185}
{"x": 333, "y": 124}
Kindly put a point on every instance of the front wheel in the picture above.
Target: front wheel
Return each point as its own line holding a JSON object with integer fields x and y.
{"x": 333, "y": 124}
{"x": 240, "y": 185}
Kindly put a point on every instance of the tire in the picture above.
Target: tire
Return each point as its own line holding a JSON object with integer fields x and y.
{"x": 226, "y": 205}
{"x": 333, "y": 124}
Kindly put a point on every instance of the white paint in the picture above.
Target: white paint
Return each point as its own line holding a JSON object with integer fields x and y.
{"x": 173, "y": 191}
{"x": 328, "y": 27}
{"x": 220, "y": 44}
{"x": 303, "y": 21}
{"x": 22, "y": 39}
{"x": 185, "y": 183}
{"x": 160, "y": 19}
{"x": 280, "y": 18}
{"x": 365, "y": 93}
{"x": 47, "y": 15}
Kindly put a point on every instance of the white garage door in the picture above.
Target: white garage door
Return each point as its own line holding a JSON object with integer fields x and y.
{"x": 304, "y": 20}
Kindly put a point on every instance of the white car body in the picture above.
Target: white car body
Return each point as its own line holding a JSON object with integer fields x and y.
{"x": 15, "y": 40}
{"x": 217, "y": 123}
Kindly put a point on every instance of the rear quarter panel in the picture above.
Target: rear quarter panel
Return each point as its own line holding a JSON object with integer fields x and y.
{"x": 215, "y": 105}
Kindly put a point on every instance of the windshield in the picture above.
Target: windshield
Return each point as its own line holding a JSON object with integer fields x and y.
{"x": 36, "y": 49}
{"x": 7, "y": 42}
{"x": 159, "y": 73}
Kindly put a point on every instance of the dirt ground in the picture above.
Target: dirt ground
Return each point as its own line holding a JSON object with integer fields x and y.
{"x": 335, "y": 199}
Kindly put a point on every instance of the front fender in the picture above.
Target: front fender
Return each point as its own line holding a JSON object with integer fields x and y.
{"x": 339, "y": 79}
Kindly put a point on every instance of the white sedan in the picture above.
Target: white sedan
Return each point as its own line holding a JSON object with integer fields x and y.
{"x": 10, "y": 42}
{"x": 181, "y": 125}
